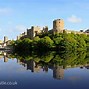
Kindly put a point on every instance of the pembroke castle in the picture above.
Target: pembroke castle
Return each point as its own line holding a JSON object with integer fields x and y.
{"x": 58, "y": 27}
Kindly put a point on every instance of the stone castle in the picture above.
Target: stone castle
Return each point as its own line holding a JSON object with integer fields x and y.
{"x": 58, "y": 27}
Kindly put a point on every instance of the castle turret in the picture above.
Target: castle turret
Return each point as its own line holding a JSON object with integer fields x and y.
{"x": 45, "y": 29}
{"x": 31, "y": 33}
{"x": 5, "y": 39}
{"x": 58, "y": 26}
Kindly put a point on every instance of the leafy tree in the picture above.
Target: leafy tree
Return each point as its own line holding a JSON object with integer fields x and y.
{"x": 45, "y": 43}
{"x": 59, "y": 41}
{"x": 68, "y": 42}
{"x": 81, "y": 43}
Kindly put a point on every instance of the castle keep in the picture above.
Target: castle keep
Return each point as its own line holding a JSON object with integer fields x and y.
{"x": 58, "y": 27}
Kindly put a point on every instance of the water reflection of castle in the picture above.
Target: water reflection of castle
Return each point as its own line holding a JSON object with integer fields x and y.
{"x": 5, "y": 59}
{"x": 58, "y": 71}
{"x": 4, "y": 55}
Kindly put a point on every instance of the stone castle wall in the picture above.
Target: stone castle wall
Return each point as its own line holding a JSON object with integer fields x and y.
{"x": 58, "y": 27}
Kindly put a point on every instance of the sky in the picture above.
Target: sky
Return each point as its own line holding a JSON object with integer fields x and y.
{"x": 18, "y": 15}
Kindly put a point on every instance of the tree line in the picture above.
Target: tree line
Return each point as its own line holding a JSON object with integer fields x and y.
{"x": 59, "y": 42}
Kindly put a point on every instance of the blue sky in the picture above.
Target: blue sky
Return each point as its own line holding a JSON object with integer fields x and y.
{"x": 18, "y": 15}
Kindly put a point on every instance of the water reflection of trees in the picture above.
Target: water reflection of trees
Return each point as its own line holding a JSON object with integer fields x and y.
{"x": 57, "y": 61}
{"x": 57, "y": 58}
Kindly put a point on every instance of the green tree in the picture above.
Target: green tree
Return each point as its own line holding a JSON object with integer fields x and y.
{"x": 81, "y": 43}
{"x": 45, "y": 43}
{"x": 68, "y": 42}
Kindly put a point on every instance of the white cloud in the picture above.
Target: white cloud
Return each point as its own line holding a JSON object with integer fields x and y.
{"x": 5, "y": 10}
{"x": 74, "y": 19}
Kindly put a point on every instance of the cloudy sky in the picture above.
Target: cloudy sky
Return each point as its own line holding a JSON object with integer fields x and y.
{"x": 18, "y": 15}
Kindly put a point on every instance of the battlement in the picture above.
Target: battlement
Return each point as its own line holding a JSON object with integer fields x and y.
{"x": 58, "y": 27}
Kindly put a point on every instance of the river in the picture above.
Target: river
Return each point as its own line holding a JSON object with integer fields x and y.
{"x": 48, "y": 71}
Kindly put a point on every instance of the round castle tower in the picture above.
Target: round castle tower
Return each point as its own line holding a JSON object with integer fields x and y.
{"x": 58, "y": 26}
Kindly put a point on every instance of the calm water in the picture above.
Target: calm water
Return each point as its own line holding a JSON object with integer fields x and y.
{"x": 35, "y": 74}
